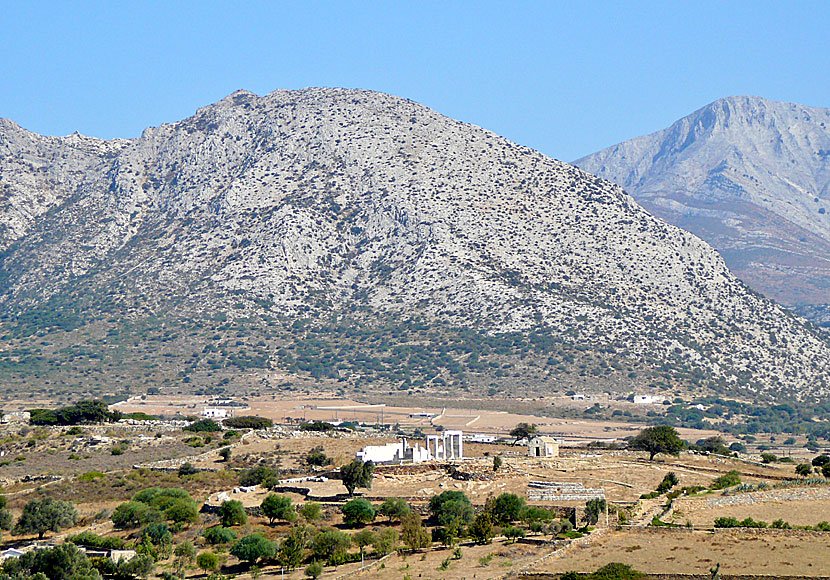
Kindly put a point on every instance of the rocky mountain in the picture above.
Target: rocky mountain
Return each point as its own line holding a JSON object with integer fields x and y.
{"x": 362, "y": 241}
{"x": 751, "y": 177}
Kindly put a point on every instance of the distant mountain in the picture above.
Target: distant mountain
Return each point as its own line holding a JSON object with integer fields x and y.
{"x": 360, "y": 240}
{"x": 751, "y": 177}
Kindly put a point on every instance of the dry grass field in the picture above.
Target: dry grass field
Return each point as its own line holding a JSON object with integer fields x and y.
{"x": 680, "y": 552}
{"x": 471, "y": 420}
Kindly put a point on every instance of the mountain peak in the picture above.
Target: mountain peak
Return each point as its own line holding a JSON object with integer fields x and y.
{"x": 749, "y": 175}
{"x": 320, "y": 218}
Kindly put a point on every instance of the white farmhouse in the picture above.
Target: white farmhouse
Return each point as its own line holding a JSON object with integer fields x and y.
{"x": 214, "y": 413}
{"x": 543, "y": 446}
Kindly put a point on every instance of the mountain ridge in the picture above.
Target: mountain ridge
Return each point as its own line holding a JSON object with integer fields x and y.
{"x": 365, "y": 240}
{"x": 750, "y": 176}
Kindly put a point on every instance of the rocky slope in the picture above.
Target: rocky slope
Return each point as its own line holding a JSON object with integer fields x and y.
{"x": 369, "y": 242}
{"x": 751, "y": 177}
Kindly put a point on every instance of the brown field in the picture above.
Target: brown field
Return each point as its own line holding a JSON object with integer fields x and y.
{"x": 469, "y": 420}
{"x": 800, "y": 512}
{"x": 681, "y": 552}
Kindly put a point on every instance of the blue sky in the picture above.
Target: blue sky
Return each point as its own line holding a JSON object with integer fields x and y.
{"x": 566, "y": 78}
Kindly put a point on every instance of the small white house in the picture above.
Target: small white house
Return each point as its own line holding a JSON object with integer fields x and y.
{"x": 648, "y": 399}
{"x": 543, "y": 446}
{"x": 214, "y": 413}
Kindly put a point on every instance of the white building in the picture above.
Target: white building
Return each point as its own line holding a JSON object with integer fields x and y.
{"x": 479, "y": 438}
{"x": 543, "y": 446}
{"x": 648, "y": 399}
{"x": 394, "y": 453}
{"x": 214, "y": 413}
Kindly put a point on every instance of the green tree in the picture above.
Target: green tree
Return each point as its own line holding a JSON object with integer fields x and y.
{"x": 225, "y": 454}
{"x": 507, "y": 508}
{"x": 182, "y": 511}
{"x": 6, "y": 518}
{"x": 156, "y": 541}
{"x": 187, "y": 469}
{"x": 133, "y": 514}
{"x": 232, "y": 513}
{"x": 253, "y": 548}
{"x": 184, "y": 553}
{"x": 207, "y": 561}
{"x": 278, "y": 507}
{"x": 660, "y": 439}
{"x": 497, "y": 462}
{"x": 63, "y": 562}
{"x": 451, "y": 508}
{"x": 413, "y": 533}
{"x": 330, "y": 546}
{"x": 292, "y": 549}
{"x": 825, "y": 470}
{"x": 363, "y": 538}
{"x": 821, "y": 460}
{"x": 357, "y": 474}
{"x": 804, "y": 469}
{"x": 481, "y": 530}
{"x": 311, "y": 511}
{"x": 768, "y": 458}
{"x": 593, "y": 508}
{"x": 358, "y": 512}
{"x": 512, "y": 533}
{"x": 385, "y": 541}
{"x": 523, "y": 431}
{"x": 45, "y": 514}
{"x": 394, "y": 508}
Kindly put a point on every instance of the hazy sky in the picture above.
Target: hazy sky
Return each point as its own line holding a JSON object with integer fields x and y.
{"x": 566, "y": 78}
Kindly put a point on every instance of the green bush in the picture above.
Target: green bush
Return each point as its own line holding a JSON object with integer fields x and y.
{"x": 248, "y": 422}
{"x": 219, "y": 535}
{"x": 728, "y": 479}
{"x": 204, "y": 425}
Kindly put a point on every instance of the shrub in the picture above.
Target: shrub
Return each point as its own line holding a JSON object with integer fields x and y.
{"x": 260, "y": 475}
{"x": 314, "y": 570}
{"x": 768, "y": 458}
{"x": 669, "y": 481}
{"x": 219, "y": 535}
{"x": 317, "y": 458}
{"x": 728, "y": 479}
{"x": 248, "y": 422}
{"x": 203, "y": 425}
{"x": 91, "y": 540}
